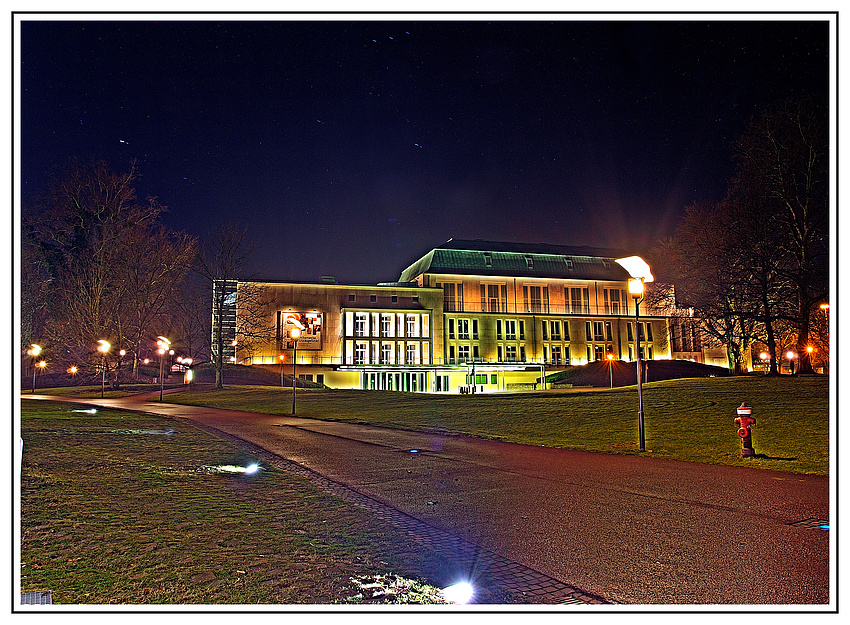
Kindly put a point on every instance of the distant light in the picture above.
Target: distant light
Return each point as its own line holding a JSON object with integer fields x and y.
{"x": 825, "y": 526}
{"x": 41, "y": 364}
{"x": 252, "y": 468}
{"x": 790, "y": 355}
{"x": 413, "y": 451}
{"x": 458, "y": 593}
{"x": 764, "y": 355}
{"x": 90, "y": 411}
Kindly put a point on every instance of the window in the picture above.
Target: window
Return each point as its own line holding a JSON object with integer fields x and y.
{"x": 386, "y": 353}
{"x": 351, "y": 297}
{"x": 463, "y": 329}
{"x": 609, "y": 335}
{"x": 499, "y": 330}
{"x": 612, "y": 302}
{"x": 394, "y": 298}
{"x": 545, "y": 326}
{"x": 475, "y": 354}
{"x": 510, "y": 353}
{"x": 451, "y": 354}
{"x": 494, "y": 297}
{"x": 412, "y": 354}
{"x": 452, "y": 297}
{"x": 361, "y": 320}
{"x": 462, "y": 353}
{"x": 373, "y": 298}
{"x": 556, "y": 354}
{"x": 648, "y": 331}
{"x": 521, "y": 330}
{"x": 488, "y": 259}
{"x": 555, "y": 327}
{"x": 360, "y": 353}
{"x": 598, "y": 331}
{"x": 536, "y": 298}
{"x": 494, "y": 378}
{"x": 387, "y": 325}
{"x": 415, "y": 299}
{"x": 475, "y": 329}
{"x": 510, "y": 330}
{"x": 529, "y": 261}
{"x": 376, "y": 324}
{"x": 579, "y": 299}
{"x": 451, "y": 328}
{"x": 569, "y": 262}
{"x": 413, "y": 325}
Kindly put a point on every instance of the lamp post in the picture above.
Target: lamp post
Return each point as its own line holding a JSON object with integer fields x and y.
{"x": 640, "y": 273}
{"x": 294, "y": 334}
{"x": 41, "y": 364}
{"x": 611, "y": 367}
{"x": 34, "y": 351}
{"x": 164, "y": 344}
{"x": 280, "y": 358}
{"x": 103, "y": 347}
{"x": 636, "y": 290}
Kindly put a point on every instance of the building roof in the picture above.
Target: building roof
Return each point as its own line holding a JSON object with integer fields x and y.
{"x": 521, "y": 260}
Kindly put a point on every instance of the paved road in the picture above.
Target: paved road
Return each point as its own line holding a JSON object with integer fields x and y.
{"x": 634, "y": 530}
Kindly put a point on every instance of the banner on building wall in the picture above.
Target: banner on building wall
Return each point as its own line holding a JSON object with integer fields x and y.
{"x": 310, "y": 324}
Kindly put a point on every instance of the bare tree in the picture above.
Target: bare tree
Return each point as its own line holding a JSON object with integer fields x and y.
{"x": 224, "y": 257}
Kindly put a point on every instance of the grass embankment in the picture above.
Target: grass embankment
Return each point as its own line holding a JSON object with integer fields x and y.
{"x": 688, "y": 419}
{"x": 124, "y": 508}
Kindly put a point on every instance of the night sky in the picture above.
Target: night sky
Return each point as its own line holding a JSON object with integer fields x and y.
{"x": 351, "y": 148}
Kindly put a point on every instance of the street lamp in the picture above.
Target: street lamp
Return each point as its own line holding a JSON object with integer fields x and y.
{"x": 280, "y": 358}
{"x": 294, "y": 333}
{"x": 611, "y": 367}
{"x": 103, "y": 347}
{"x": 640, "y": 273}
{"x": 164, "y": 344}
{"x": 791, "y": 356}
{"x": 34, "y": 351}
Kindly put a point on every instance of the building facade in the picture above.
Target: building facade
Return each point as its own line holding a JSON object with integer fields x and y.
{"x": 468, "y": 316}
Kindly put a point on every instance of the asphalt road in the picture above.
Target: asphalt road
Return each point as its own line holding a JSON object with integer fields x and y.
{"x": 634, "y": 530}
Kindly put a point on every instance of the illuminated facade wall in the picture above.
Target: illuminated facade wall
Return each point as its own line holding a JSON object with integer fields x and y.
{"x": 463, "y": 315}
{"x": 554, "y": 306}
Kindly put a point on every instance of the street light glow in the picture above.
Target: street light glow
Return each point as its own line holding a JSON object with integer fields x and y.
{"x": 458, "y": 593}
{"x": 637, "y": 268}
{"x": 103, "y": 346}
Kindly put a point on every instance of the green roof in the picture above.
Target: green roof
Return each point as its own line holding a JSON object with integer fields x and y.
{"x": 520, "y": 260}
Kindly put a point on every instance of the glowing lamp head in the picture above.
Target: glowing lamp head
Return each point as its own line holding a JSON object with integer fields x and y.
{"x": 764, "y": 355}
{"x": 636, "y": 287}
{"x": 810, "y": 348}
{"x": 791, "y": 355}
{"x": 35, "y": 350}
{"x": 610, "y": 356}
{"x": 824, "y": 306}
{"x": 295, "y": 333}
{"x": 41, "y": 364}
{"x": 162, "y": 342}
{"x": 72, "y": 369}
{"x": 103, "y": 346}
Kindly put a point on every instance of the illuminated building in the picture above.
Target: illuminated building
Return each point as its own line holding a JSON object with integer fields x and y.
{"x": 468, "y": 316}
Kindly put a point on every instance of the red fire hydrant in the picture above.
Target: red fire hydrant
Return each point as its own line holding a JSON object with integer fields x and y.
{"x": 744, "y": 421}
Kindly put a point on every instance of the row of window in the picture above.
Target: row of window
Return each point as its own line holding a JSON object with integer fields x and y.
{"x": 552, "y": 354}
{"x": 513, "y": 330}
{"x": 494, "y": 298}
{"x": 352, "y": 297}
{"x": 387, "y": 324}
{"x": 387, "y": 352}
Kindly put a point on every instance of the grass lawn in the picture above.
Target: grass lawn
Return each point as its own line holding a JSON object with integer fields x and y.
{"x": 688, "y": 419}
{"x": 125, "y": 508}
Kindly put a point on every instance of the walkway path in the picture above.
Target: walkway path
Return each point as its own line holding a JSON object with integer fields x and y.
{"x": 576, "y": 526}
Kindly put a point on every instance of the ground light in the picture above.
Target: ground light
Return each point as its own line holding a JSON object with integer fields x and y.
{"x": 458, "y": 593}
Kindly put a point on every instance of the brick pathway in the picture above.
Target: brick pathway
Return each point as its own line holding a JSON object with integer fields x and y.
{"x": 509, "y": 576}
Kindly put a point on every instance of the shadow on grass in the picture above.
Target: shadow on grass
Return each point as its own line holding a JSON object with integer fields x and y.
{"x": 766, "y": 457}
